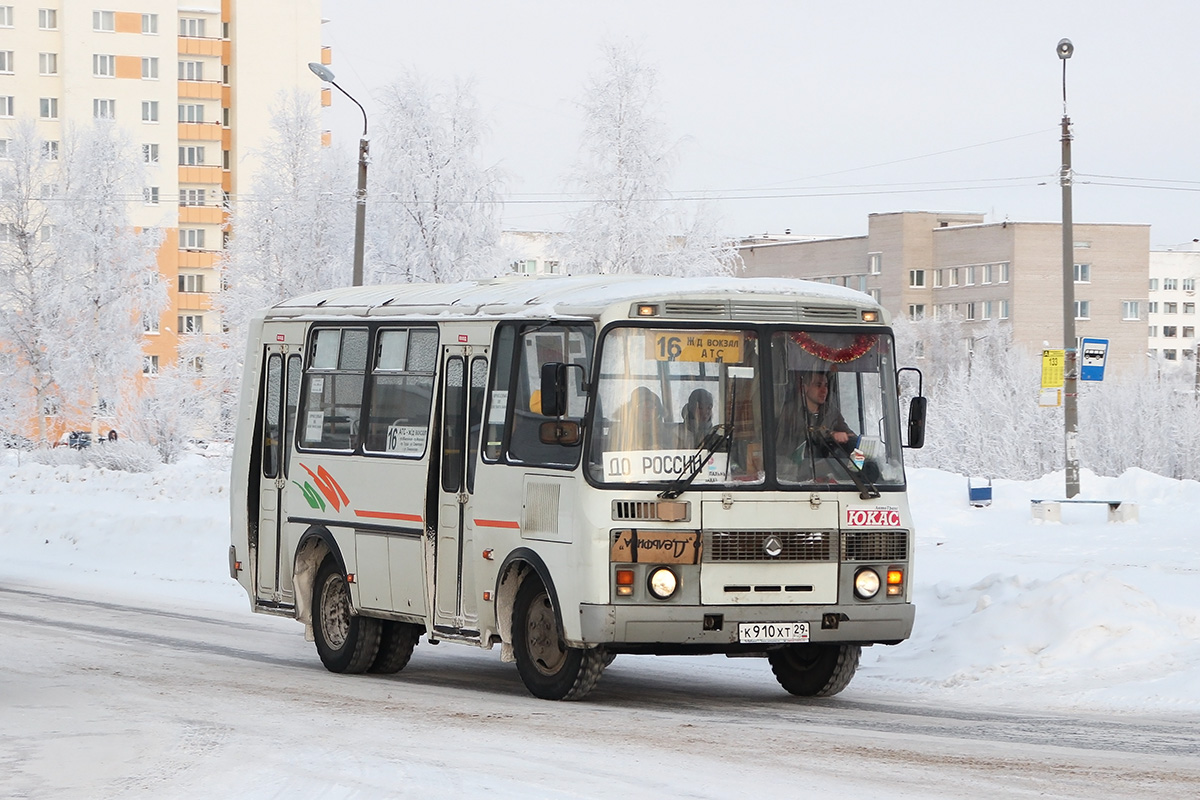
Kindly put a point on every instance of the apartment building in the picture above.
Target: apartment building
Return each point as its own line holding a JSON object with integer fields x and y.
{"x": 920, "y": 264}
{"x": 1171, "y": 307}
{"x": 193, "y": 83}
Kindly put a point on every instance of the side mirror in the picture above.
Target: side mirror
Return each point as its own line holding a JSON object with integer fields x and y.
{"x": 916, "y": 410}
{"x": 559, "y": 431}
{"x": 554, "y": 389}
{"x": 916, "y": 422}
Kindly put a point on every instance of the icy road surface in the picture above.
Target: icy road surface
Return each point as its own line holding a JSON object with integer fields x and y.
{"x": 106, "y": 699}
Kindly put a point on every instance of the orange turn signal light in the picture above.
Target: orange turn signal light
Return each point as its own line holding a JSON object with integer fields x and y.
{"x": 895, "y": 577}
{"x": 624, "y": 577}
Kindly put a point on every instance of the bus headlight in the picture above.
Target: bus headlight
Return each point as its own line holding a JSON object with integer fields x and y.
{"x": 662, "y": 583}
{"x": 866, "y": 583}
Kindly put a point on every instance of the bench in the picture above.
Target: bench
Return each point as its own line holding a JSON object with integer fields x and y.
{"x": 1051, "y": 510}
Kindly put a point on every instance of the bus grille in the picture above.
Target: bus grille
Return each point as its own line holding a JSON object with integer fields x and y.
{"x": 749, "y": 546}
{"x": 875, "y": 546}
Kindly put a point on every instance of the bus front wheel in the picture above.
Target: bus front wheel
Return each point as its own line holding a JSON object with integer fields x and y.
{"x": 548, "y": 668}
{"x": 346, "y": 642}
{"x": 815, "y": 670}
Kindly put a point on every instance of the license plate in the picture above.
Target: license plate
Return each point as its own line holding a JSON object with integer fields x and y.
{"x": 772, "y": 632}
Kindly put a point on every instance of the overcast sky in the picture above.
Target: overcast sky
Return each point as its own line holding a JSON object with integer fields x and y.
{"x": 807, "y": 116}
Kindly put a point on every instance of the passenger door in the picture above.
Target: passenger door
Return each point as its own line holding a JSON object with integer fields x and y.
{"x": 277, "y": 412}
{"x": 464, "y": 383}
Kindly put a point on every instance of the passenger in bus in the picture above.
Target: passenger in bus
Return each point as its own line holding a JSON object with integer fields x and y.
{"x": 640, "y": 424}
{"x": 809, "y": 420}
{"x": 697, "y": 418}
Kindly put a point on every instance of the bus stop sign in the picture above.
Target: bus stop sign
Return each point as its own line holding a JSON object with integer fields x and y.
{"x": 1091, "y": 365}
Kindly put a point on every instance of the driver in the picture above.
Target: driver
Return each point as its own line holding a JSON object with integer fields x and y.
{"x": 809, "y": 418}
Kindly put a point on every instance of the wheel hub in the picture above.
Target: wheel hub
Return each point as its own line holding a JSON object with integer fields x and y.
{"x": 335, "y": 611}
{"x": 541, "y": 636}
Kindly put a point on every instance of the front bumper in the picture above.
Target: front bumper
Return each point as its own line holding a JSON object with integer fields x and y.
{"x": 717, "y": 626}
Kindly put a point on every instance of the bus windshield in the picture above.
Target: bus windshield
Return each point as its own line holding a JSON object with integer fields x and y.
{"x": 793, "y": 408}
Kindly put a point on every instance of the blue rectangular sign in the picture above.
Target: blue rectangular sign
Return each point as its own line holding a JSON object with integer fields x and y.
{"x": 1092, "y": 355}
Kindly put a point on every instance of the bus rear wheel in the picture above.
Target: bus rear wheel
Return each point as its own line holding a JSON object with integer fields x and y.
{"x": 396, "y": 643}
{"x": 548, "y": 668}
{"x": 815, "y": 670}
{"x": 346, "y": 642}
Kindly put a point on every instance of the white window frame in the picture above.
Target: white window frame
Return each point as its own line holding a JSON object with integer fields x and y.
{"x": 47, "y": 108}
{"x": 47, "y": 19}
{"x": 191, "y": 155}
{"x": 1152, "y": 307}
{"x": 149, "y": 68}
{"x": 1154, "y": 284}
{"x": 191, "y": 238}
{"x": 50, "y": 149}
{"x": 970, "y": 316}
{"x": 916, "y": 279}
{"x": 104, "y": 108}
{"x": 969, "y": 276}
{"x": 104, "y": 65}
{"x": 149, "y": 365}
{"x": 47, "y": 63}
{"x": 4, "y": 145}
{"x": 190, "y": 324}
{"x": 916, "y": 311}
{"x": 1004, "y": 309}
{"x": 1004, "y": 267}
{"x": 987, "y": 309}
{"x": 149, "y": 111}
{"x": 1170, "y": 284}
{"x": 189, "y": 110}
{"x": 1083, "y": 273}
{"x": 1152, "y": 332}
{"x": 150, "y": 195}
{"x": 150, "y": 24}
{"x": 6, "y": 16}
{"x": 150, "y": 153}
{"x": 937, "y": 279}
{"x": 1083, "y": 309}
{"x": 190, "y": 283}
{"x": 191, "y": 70}
{"x": 192, "y": 197}
{"x": 104, "y": 21}
{"x": 874, "y": 263}
{"x": 1189, "y": 284}
{"x": 192, "y": 27}
{"x": 1131, "y": 310}
{"x": 1189, "y": 308}
{"x": 6, "y": 62}
{"x": 1170, "y": 308}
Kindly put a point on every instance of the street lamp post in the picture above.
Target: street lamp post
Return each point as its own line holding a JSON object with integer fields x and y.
{"x": 1070, "y": 372}
{"x": 360, "y": 209}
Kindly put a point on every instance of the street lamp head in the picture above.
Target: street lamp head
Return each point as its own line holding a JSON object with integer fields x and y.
{"x": 326, "y": 74}
{"x": 1065, "y": 49}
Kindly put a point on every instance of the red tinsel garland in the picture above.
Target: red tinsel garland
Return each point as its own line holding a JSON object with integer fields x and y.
{"x": 863, "y": 342}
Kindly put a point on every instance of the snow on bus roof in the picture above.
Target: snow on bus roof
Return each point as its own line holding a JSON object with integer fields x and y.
{"x": 576, "y": 294}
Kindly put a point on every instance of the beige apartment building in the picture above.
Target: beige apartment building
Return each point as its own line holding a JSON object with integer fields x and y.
{"x": 919, "y": 264}
{"x": 193, "y": 83}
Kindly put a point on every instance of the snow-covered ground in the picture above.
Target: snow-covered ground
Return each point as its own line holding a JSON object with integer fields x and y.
{"x": 1014, "y": 617}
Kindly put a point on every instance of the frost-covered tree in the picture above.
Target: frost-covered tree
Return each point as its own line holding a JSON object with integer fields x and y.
{"x": 984, "y": 417}
{"x": 31, "y": 311}
{"x": 433, "y": 209}
{"x": 625, "y": 164}
{"x": 111, "y": 279}
{"x": 292, "y": 233}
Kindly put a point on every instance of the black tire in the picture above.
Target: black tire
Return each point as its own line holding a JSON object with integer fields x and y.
{"x": 346, "y": 641}
{"x": 815, "y": 670}
{"x": 549, "y": 669}
{"x": 396, "y": 643}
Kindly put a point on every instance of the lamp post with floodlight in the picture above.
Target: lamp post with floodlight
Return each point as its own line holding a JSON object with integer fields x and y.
{"x": 360, "y": 209}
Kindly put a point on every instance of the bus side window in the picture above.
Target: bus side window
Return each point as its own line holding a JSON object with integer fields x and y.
{"x": 497, "y": 406}
{"x": 401, "y": 391}
{"x": 332, "y": 401}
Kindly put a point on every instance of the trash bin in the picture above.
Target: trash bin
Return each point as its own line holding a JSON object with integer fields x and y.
{"x": 979, "y": 492}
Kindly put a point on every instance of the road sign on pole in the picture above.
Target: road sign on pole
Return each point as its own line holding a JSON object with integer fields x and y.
{"x": 1052, "y": 368}
{"x": 1095, "y": 354}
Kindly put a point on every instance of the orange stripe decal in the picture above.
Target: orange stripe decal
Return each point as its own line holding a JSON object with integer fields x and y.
{"x": 388, "y": 515}
{"x": 497, "y": 523}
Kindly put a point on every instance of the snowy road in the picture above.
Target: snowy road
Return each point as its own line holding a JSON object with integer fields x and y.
{"x": 100, "y": 698}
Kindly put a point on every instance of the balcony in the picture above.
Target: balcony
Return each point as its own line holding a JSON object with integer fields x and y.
{"x": 200, "y": 132}
{"x": 194, "y": 301}
{"x": 207, "y": 175}
{"x": 198, "y": 259}
{"x": 200, "y": 90}
{"x": 210, "y": 215}
{"x": 197, "y": 46}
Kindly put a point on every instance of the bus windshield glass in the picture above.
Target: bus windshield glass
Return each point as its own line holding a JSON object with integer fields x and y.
{"x": 795, "y": 408}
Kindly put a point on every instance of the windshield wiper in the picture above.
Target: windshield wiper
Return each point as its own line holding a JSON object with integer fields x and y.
{"x": 866, "y": 489}
{"x": 714, "y": 441}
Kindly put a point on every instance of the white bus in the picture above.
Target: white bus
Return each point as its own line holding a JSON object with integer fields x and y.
{"x": 575, "y": 468}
